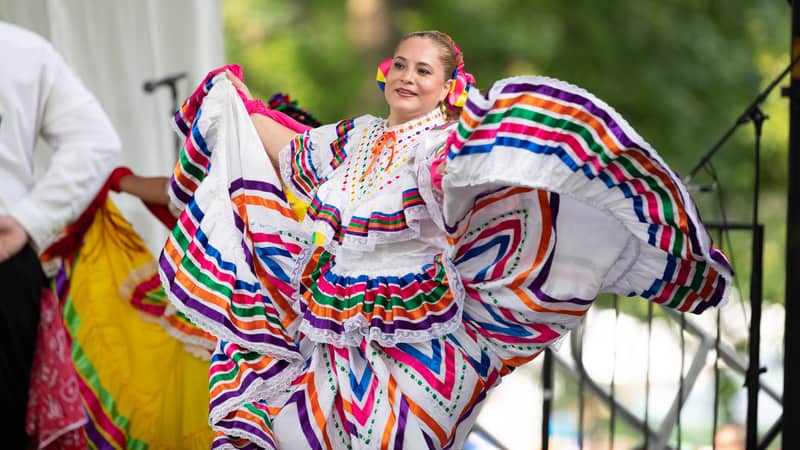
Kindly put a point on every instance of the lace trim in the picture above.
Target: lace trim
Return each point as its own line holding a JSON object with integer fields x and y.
{"x": 285, "y": 168}
{"x": 135, "y": 277}
{"x": 259, "y": 389}
{"x": 240, "y": 434}
{"x": 357, "y": 328}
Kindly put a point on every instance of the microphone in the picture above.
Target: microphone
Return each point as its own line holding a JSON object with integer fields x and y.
{"x": 170, "y": 80}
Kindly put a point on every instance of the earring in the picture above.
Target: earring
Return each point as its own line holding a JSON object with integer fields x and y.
{"x": 443, "y": 107}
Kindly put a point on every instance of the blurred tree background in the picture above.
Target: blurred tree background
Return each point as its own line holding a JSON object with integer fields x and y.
{"x": 680, "y": 71}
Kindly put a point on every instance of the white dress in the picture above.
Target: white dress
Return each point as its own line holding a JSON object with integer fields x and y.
{"x": 384, "y": 317}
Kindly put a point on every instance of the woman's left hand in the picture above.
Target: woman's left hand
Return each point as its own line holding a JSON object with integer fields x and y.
{"x": 238, "y": 84}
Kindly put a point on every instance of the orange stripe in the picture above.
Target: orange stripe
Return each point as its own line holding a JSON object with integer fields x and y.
{"x": 518, "y": 361}
{"x": 428, "y": 420}
{"x": 537, "y": 307}
{"x": 612, "y": 145}
{"x": 397, "y": 311}
{"x": 544, "y": 241}
{"x": 605, "y": 137}
{"x": 484, "y": 203}
{"x": 244, "y": 200}
{"x": 315, "y": 407}
{"x": 388, "y": 430}
{"x": 201, "y": 292}
{"x": 262, "y": 363}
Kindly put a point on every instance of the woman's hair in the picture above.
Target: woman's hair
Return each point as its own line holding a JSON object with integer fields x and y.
{"x": 450, "y": 59}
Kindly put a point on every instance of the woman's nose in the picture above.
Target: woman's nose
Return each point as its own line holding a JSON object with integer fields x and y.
{"x": 405, "y": 76}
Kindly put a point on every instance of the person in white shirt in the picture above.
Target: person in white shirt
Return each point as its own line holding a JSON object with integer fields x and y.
{"x": 40, "y": 97}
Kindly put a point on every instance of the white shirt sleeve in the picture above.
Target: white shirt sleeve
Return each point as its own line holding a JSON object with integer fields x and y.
{"x": 86, "y": 149}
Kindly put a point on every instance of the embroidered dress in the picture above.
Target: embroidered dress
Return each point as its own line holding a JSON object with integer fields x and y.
{"x": 384, "y": 317}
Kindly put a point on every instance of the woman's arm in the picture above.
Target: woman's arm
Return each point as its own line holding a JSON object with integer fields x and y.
{"x": 149, "y": 189}
{"x": 273, "y": 135}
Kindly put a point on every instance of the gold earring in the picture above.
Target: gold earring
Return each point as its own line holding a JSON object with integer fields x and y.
{"x": 443, "y": 107}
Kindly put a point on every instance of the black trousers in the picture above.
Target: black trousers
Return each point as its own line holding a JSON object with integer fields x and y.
{"x": 21, "y": 281}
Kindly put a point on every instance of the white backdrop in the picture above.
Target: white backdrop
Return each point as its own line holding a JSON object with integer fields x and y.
{"x": 117, "y": 45}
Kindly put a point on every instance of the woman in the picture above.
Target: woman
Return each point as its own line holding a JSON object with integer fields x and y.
{"x": 434, "y": 258}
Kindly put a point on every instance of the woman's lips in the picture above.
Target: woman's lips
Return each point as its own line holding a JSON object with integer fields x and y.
{"x": 405, "y": 93}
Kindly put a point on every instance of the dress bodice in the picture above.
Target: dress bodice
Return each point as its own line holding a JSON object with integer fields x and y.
{"x": 369, "y": 201}
{"x": 365, "y": 209}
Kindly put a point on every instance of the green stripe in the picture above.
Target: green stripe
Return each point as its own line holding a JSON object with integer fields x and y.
{"x": 678, "y": 297}
{"x": 238, "y": 357}
{"x": 666, "y": 207}
{"x": 387, "y": 302}
{"x": 298, "y": 158}
{"x": 191, "y": 167}
{"x": 84, "y": 366}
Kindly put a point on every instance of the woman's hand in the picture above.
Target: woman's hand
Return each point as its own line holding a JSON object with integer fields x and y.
{"x": 238, "y": 84}
{"x": 437, "y": 172}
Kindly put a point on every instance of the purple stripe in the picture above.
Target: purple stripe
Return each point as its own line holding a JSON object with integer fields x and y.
{"x": 254, "y": 185}
{"x": 273, "y": 370}
{"x": 180, "y": 295}
{"x": 178, "y": 119}
{"x": 465, "y": 415}
{"x": 475, "y": 109}
{"x": 95, "y": 437}
{"x": 182, "y": 195}
{"x": 717, "y": 256}
{"x": 428, "y": 440}
{"x": 400, "y": 430}
{"x": 716, "y": 297}
{"x": 385, "y": 327}
{"x": 535, "y": 287}
{"x": 694, "y": 242}
{"x": 302, "y": 414}
{"x": 240, "y": 425}
{"x": 61, "y": 280}
{"x": 225, "y": 441}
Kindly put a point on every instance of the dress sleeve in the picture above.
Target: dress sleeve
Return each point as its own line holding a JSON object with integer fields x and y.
{"x": 308, "y": 160}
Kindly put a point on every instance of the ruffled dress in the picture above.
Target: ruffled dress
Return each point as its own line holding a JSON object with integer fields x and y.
{"x": 384, "y": 317}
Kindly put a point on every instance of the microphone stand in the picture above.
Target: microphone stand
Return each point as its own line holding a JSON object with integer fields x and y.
{"x": 746, "y": 116}
{"x": 754, "y": 114}
{"x": 171, "y": 82}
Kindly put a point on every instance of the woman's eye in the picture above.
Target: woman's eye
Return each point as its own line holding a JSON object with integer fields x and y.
{"x": 398, "y": 65}
{"x": 424, "y": 72}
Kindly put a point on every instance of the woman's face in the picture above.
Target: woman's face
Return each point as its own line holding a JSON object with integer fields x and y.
{"x": 416, "y": 82}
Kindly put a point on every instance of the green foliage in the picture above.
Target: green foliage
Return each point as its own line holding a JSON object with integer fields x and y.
{"x": 680, "y": 71}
